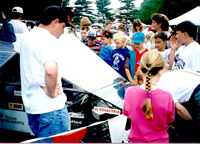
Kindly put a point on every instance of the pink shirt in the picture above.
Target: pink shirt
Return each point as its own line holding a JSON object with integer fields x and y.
{"x": 143, "y": 130}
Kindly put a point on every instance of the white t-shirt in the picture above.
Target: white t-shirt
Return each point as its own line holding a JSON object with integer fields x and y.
{"x": 147, "y": 45}
{"x": 165, "y": 55}
{"x": 37, "y": 47}
{"x": 188, "y": 57}
{"x": 180, "y": 84}
{"x": 19, "y": 27}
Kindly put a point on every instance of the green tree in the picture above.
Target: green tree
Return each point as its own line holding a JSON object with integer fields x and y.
{"x": 170, "y": 8}
{"x": 103, "y": 10}
{"x": 83, "y": 8}
{"x": 65, "y": 3}
{"x": 148, "y": 7}
{"x": 127, "y": 11}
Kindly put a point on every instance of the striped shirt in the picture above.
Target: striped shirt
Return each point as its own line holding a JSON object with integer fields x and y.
{"x": 96, "y": 47}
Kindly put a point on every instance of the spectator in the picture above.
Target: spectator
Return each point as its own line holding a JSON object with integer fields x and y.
{"x": 108, "y": 26}
{"x": 147, "y": 43}
{"x": 122, "y": 28}
{"x": 72, "y": 31}
{"x": 160, "y": 23}
{"x": 160, "y": 42}
{"x": 149, "y": 108}
{"x": 84, "y": 33}
{"x": 119, "y": 54}
{"x": 6, "y": 31}
{"x": 136, "y": 27}
{"x": 70, "y": 16}
{"x": 133, "y": 59}
{"x": 40, "y": 75}
{"x": 99, "y": 31}
{"x": 86, "y": 22}
{"x": 19, "y": 27}
{"x": 106, "y": 49}
{"x": 188, "y": 56}
{"x": 185, "y": 88}
{"x": 91, "y": 42}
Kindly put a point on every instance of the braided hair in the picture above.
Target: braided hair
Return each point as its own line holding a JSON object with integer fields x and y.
{"x": 151, "y": 63}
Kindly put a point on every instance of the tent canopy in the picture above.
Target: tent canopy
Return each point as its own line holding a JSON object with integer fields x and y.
{"x": 191, "y": 15}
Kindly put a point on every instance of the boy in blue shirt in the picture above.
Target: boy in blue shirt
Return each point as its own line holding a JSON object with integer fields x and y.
{"x": 119, "y": 55}
{"x": 106, "y": 49}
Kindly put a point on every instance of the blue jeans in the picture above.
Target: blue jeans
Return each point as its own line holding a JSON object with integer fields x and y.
{"x": 48, "y": 124}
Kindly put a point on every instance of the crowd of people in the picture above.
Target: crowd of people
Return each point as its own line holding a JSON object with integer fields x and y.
{"x": 141, "y": 58}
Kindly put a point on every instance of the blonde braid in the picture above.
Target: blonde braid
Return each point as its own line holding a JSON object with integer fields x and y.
{"x": 147, "y": 106}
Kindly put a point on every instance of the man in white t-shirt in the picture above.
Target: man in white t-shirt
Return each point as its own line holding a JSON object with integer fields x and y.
{"x": 19, "y": 27}
{"x": 185, "y": 88}
{"x": 42, "y": 92}
{"x": 188, "y": 56}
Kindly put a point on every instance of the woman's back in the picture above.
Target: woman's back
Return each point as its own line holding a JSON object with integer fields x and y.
{"x": 142, "y": 129}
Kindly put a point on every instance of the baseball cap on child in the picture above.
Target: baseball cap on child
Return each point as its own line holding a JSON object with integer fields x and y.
{"x": 91, "y": 34}
{"x": 138, "y": 37}
{"x": 106, "y": 34}
{"x": 17, "y": 9}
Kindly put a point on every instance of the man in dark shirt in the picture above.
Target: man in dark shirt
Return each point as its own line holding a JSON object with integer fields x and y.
{"x": 6, "y": 30}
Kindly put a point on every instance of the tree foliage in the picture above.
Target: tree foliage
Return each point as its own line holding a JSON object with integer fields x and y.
{"x": 83, "y": 8}
{"x": 103, "y": 10}
{"x": 127, "y": 11}
{"x": 65, "y": 3}
{"x": 171, "y": 8}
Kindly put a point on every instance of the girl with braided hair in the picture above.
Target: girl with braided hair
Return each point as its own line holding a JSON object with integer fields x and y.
{"x": 149, "y": 108}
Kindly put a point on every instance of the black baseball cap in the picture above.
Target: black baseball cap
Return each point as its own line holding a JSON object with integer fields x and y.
{"x": 53, "y": 12}
{"x": 106, "y": 34}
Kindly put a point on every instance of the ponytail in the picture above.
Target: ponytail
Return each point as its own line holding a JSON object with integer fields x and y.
{"x": 147, "y": 106}
{"x": 151, "y": 63}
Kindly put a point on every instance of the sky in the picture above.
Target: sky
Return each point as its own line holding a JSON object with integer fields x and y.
{"x": 114, "y": 3}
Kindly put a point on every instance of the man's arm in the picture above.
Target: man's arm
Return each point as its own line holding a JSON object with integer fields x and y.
{"x": 182, "y": 111}
{"x": 7, "y": 33}
{"x": 51, "y": 73}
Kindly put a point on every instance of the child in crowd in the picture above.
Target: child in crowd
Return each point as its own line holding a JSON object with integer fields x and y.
{"x": 85, "y": 21}
{"x": 108, "y": 26}
{"x": 84, "y": 33}
{"x": 160, "y": 23}
{"x": 91, "y": 41}
{"x": 187, "y": 56}
{"x": 133, "y": 58}
{"x": 160, "y": 42}
{"x": 136, "y": 27}
{"x": 122, "y": 28}
{"x": 106, "y": 49}
{"x": 119, "y": 54}
{"x": 147, "y": 43}
{"x": 149, "y": 108}
{"x": 99, "y": 30}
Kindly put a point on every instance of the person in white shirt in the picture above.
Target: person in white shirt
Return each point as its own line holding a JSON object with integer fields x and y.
{"x": 160, "y": 44}
{"x": 19, "y": 27}
{"x": 185, "y": 88}
{"x": 187, "y": 56}
{"x": 42, "y": 92}
{"x": 147, "y": 43}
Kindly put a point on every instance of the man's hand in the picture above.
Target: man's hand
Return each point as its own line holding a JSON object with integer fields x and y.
{"x": 57, "y": 90}
{"x": 174, "y": 43}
